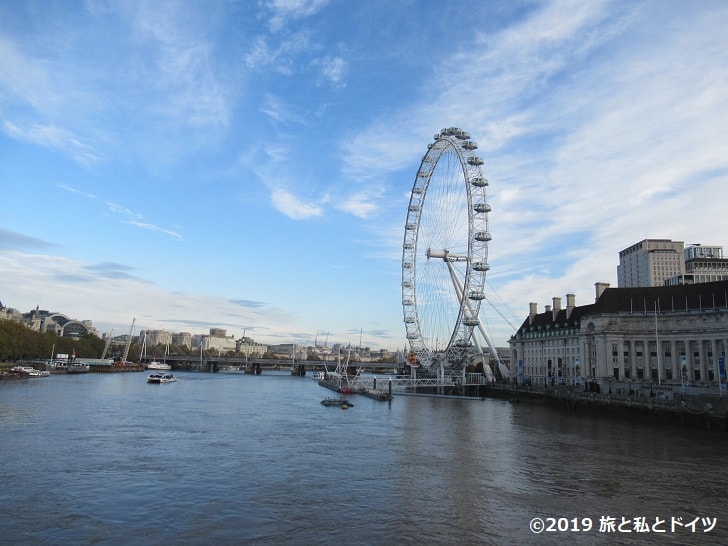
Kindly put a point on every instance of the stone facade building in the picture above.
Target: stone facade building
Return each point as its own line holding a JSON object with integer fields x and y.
{"x": 665, "y": 335}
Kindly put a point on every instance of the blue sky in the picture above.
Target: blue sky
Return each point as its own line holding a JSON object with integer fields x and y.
{"x": 247, "y": 165}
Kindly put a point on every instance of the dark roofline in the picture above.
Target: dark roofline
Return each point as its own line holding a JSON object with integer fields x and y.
{"x": 683, "y": 297}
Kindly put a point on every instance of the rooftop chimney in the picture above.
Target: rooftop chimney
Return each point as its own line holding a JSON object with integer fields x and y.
{"x": 570, "y": 304}
{"x": 601, "y": 287}
{"x": 532, "y": 311}
{"x": 557, "y": 307}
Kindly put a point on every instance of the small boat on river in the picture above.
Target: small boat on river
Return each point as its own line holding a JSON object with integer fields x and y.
{"x": 155, "y": 365}
{"x": 161, "y": 378}
{"x": 29, "y": 371}
{"x": 341, "y": 402}
{"x": 77, "y": 367}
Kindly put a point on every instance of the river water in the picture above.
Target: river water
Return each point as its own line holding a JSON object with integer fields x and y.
{"x": 241, "y": 459}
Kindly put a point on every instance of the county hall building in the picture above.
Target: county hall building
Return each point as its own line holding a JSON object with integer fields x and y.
{"x": 661, "y": 335}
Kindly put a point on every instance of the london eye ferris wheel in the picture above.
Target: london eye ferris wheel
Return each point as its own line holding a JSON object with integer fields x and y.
{"x": 445, "y": 252}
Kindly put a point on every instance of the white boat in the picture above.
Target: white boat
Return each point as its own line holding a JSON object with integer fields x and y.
{"x": 77, "y": 367}
{"x": 161, "y": 378}
{"x": 59, "y": 362}
{"x": 155, "y": 365}
{"x": 58, "y": 366}
{"x": 29, "y": 371}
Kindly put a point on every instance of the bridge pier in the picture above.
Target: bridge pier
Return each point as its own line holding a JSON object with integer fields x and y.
{"x": 253, "y": 368}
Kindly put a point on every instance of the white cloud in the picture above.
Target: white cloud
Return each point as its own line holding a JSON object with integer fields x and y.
{"x": 282, "y": 58}
{"x": 111, "y": 296}
{"x": 598, "y": 129}
{"x": 333, "y": 70}
{"x": 51, "y": 136}
{"x": 114, "y": 208}
{"x": 291, "y": 10}
{"x": 360, "y": 204}
{"x": 288, "y": 204}
{"x": 280, "y": 112}
{"x": 153, "y": 227}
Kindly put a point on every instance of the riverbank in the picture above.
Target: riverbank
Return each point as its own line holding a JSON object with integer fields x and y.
{"x": 6, "y": 373}
{"x": 683, "y": 410}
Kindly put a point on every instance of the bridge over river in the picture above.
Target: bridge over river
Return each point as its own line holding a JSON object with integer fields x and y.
{"x": 256, "y": 365}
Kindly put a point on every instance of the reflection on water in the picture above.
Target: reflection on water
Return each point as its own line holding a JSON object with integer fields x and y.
{"x": 232, "y": 458}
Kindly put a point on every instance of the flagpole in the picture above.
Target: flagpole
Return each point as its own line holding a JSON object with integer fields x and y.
{"x": 657, "y": 346}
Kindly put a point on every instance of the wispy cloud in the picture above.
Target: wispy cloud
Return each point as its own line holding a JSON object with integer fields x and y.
{"x": 79, "y": 286}
{"x": 333, "y": 69}
{"x": 69, "y": 189}
{"x": 111, "y": 270}
{"x": 174, "y": 87}
{"x": 132, "y": 218}
{"x": 53, "y": 137}
{"x": 288, "y": 204}
{"x": 248, "y": 303}
{"x": 284, "y": 56}
{"x": 284, "y": 11}
{"x": 280, "y": 112}
{"x": 11, "y": 240}
{"x": 153, "y": 227}
{"x": 362, "y": 204}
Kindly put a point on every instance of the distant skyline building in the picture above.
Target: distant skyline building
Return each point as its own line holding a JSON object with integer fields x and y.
{"x": 156, "y": 337}
{"x": 218, "y": 341}
{"x": 650, "y": 263}
{"x": 702, "y": 264}
{"x": 250, "y": 348}
{"x": 700, "y": 251}
{"x": 182, "y": 339}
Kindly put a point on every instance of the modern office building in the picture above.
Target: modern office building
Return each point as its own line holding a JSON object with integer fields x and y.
{"x": 650, "y": 263}
{"x": 702, "y": 264}
{"x": 663, "y": 335}
{"x": 695, "y": 251}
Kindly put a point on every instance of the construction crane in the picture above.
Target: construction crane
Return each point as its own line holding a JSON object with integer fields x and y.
{"x": 108, "y": 342}
{"x": 128, "y": 342}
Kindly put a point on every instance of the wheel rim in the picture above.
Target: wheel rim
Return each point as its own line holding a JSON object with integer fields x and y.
{"x": 445, "y": 250}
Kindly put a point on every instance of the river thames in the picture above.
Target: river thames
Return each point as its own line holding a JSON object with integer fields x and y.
{"x": 242, "y": 459}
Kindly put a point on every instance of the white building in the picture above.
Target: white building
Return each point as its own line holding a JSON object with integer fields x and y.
{"x": 156, "y": 337}
{"x": 655, "y": 334}
{"x": 650, "y": 262}
{"x": 250, "y": 348}
{"x": 182, "y": 339}
{"x": 218, "y": 341}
